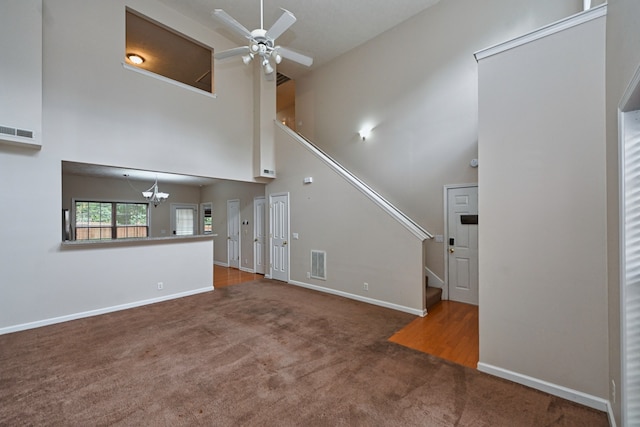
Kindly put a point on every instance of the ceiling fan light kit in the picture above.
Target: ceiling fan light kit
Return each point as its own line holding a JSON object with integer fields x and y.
{"x": 261, "y": 41}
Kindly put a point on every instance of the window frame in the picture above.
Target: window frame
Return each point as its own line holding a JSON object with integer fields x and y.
{"x": 113, "y": 225}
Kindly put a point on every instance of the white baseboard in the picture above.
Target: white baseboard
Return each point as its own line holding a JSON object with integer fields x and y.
{"x": 220, "y": 263}
{"x": 554, "y": 389}
{"x": 97, "y": 312}
{"x": 247, "y": 270}
{"x": 415, "y": 311}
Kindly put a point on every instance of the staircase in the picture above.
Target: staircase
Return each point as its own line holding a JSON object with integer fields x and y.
{"x": 433, "y": 295}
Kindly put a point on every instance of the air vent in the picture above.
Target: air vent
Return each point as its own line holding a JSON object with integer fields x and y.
{"x": 318, "y": 265}
{"x": 281, "y": 79}
{"x": 16, "y": 132}
{"x": 7, "y": 131}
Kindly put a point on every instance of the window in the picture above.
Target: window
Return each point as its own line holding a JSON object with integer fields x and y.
{"x": 167, "y": 53}
{"x": 110, "y": 220}
{"x": 184, "y": 219}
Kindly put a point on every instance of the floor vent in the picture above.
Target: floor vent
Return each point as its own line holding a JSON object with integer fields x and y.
{"x": 318, "y": 265}
{"x": 16, "y": 132}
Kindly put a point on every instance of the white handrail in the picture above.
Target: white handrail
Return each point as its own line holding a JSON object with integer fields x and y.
{"x": 415, "y": 228}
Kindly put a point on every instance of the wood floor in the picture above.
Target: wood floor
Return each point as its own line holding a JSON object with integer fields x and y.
{"x": 449, "y": 330}
{"x": 223, "y": 276}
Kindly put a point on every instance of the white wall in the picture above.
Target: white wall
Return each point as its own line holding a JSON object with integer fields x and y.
{"x": 543, "y": 241}
{"x": 417, "y": 85}
{"x": 363, "y": 243}
{"x": 95, "y": 111}
{"x": 623, "y": 59}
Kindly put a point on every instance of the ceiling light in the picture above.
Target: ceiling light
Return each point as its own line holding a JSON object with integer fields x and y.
{"x": 134, "y": 58}
{"x": 247, "y": 58}
{"x": 364, "y": 133}
{"x": 268, "y": 69}
{"x": 278, "y": 58}
{"x": 154, "y": 196}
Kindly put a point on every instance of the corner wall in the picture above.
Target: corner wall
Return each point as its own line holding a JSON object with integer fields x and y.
{"x": 543, "y": 239}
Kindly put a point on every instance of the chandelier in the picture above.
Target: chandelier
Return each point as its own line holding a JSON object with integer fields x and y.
{"x": 154, "y": 196}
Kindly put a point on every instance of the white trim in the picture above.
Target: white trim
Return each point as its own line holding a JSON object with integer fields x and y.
{"x": 97, "y": 312}
{"x": 629, "y": 102}
{"x": 547, "y": 387}
{"x": 20, "y": 141}
{"x": 445, "y": 246}
{"x": 415, "y": 311}
{"x": 239, "y": 219}
{"x": 556, "y": 27}
{"x": 221, "y": 264}
{"x": 257, "y": 199}
{"x": 247, "y": 270}
{"x": 168, "y": 80}
{"x": 611, "y": 415}
{"x": 395, "y": 213}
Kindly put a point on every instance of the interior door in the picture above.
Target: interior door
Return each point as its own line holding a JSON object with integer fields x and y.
{"x": 279, "y": 210}
{"x": 462, "y": 235}
{"x": 259, "y": 235}
{"x": 233, "y": 233}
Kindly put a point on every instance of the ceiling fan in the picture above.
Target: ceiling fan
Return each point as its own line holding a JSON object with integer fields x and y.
{"x": 261, "y": 41}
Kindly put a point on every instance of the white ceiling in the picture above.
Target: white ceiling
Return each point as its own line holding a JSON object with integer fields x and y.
{"x": 325, "y": 29}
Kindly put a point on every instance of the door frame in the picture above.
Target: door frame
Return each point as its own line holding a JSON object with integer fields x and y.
{"x": 271, "y": 196}
{"x": 445, "y": 245}
{"x": 239, "y": 235}
{"x": 264, "y": 227}
{"x": 629, "y": 103}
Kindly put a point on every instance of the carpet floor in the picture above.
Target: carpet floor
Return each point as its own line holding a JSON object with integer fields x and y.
{"x": 261, "y": 353}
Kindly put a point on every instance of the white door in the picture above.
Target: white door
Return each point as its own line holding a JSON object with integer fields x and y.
{"x": 259, "y": 235}
{"x": 233, "y": 233}
{"x": 279, "y": 210}
{"x": 462, "y": 235}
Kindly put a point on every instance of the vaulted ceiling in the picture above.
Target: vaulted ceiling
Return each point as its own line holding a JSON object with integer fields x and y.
{"x": 325, "y": 29}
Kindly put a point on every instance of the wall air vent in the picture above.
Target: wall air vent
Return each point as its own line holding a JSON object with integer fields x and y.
{"x": 16, "y": 132}
{"x": 318, "y": 265}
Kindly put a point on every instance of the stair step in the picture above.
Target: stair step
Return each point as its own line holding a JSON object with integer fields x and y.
{"x": 434, "y": 295}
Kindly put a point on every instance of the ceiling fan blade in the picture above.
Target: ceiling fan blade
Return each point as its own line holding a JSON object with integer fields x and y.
{"x": 231, "y": 52}
{"x": 231, "y": 23}
{"x": 294, "y": 56}
{"x": 281, "y": 25}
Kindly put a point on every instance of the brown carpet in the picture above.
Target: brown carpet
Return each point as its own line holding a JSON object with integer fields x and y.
{"x": 256, "y": 354}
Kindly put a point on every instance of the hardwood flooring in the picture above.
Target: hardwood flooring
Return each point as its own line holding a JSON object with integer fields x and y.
{"x": 448, "y": 331}
{"x": 223, "y": 276}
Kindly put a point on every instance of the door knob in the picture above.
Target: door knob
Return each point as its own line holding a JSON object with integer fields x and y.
{"x": 229, "y": 238}
{"x": 255, "y": 240}
{"x": 451, "y": 250}
{"x": 284, "y": 243}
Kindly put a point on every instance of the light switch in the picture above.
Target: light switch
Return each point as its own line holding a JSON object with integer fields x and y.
{"x": 439, "y": 238}
{"x": 295, "y": 236}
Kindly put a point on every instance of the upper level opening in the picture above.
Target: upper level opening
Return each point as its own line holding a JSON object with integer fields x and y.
{"x": 159, "y": 49}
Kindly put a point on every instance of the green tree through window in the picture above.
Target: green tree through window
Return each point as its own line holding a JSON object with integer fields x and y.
{"x": 110, "y": 220}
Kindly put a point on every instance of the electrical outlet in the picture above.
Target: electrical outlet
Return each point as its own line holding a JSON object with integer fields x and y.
{"x": 160, "y": 286}
{"x": 365, "y": 286}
